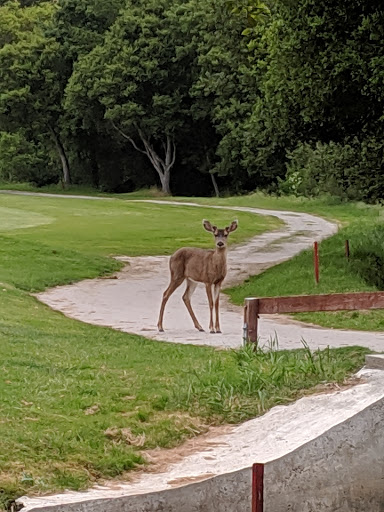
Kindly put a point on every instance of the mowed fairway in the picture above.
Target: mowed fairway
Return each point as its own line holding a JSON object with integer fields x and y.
{"x": 80, "y": 403}
{"x": 113, "y": 226}
{"x": 59, "y": 240}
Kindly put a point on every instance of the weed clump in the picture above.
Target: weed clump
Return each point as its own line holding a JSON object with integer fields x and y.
{"x": 256, "y": 380}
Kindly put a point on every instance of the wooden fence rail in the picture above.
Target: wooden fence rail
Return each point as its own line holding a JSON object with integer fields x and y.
{"x": 305, "y": 303}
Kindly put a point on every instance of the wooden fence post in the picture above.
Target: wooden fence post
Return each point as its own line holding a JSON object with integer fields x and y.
{"x": 251, "y": 316}
{"x": 316, "y": 261}
{"x": 347, "y": 249}
{"x": 258, "y": 487}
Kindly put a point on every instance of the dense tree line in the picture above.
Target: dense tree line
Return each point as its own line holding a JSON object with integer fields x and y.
{"x": 194, "y": 96}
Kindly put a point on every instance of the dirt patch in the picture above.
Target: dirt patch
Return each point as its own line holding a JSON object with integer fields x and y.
{"x": 161, "y": 458}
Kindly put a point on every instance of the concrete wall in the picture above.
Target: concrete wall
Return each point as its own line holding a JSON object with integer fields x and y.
{"x": 231, "y": 492}
{"x": 341, "y": 470}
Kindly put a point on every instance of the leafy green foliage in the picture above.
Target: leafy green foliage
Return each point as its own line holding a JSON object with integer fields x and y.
{"x": 367, "y": 258}
{"x": 80, "y": 26}
{"x": 138, "y": 79}
{"x": 22, "y": 160}
{"x": 350, "y": 171}
{"x": 31, "y": 90}
{"x": 227, "y": 85}
{"x": 317, "y": 85}
{"x": 249, "y": 10}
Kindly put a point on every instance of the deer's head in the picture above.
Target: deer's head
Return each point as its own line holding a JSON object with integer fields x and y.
{"x": 221, "y": 235}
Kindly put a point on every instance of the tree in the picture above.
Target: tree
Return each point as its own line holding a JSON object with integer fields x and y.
{"x": 80, "y": 26}
{"x": 227, "y": 86}
{"x": 321, "y": 83}
{"x": 139, "y": 80}
{"x": 95, "y": 156}
{"x": 30, "y": 84}
{"x": 24, "y": 160}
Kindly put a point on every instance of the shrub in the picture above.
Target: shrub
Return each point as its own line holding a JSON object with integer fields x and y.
{"x": 22, "y": 160}
{"x": 367, "y": 256}
{"x": 352, "y": 170}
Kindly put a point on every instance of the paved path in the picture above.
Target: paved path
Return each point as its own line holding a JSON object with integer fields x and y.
{"x": 131, "y": 302}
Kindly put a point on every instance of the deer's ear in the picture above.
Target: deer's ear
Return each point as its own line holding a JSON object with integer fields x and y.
{"x": 208, "y": 226}
{"x": 233, "y": 226}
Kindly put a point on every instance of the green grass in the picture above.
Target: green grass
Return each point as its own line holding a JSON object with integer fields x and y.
{"x": 80, "y": 403}
{"x": 53, "y": 189}
{"x": 81, "y": 190}
{"x": 327, "y": 207}
{"x": 294, "y": 277}
{"x": 297, "y": 276}
{"x": 112, "y": 227}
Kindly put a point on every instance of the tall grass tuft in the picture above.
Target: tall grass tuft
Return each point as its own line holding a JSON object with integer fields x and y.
{"x": 264, "y": 377}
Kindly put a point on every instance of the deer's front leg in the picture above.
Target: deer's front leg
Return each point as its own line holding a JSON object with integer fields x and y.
{"x": 216, "y": 297}
{"x": 208, "y": 288}
{"x": 191, "y": 286}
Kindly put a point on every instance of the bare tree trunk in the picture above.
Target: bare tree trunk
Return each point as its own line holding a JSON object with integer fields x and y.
{"x": 63, "y": 157}
{"x": 162, "y": 166}
{"x": 214, "y": 183}
{"x": 165, "y": 186}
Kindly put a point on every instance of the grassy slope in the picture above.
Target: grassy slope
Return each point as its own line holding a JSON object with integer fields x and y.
{"x": 117, "y": 226}
{"x": 78, "y": 402}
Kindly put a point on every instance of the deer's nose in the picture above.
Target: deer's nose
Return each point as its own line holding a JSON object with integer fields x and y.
{"x": 220, "y": 244}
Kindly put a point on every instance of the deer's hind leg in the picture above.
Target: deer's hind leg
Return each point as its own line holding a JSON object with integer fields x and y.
{"x": 175, "y": 283}
{"x": 216, "y": 298}
{"x": 191, "y": 287}
{"x": 208, "y": 288}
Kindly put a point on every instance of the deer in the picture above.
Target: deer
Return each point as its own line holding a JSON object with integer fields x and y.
{"x": 207, "y": 266}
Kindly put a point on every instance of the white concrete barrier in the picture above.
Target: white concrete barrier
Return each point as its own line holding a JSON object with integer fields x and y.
{"x": 225, "y": 493}
{"x": 342, "y": 470}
